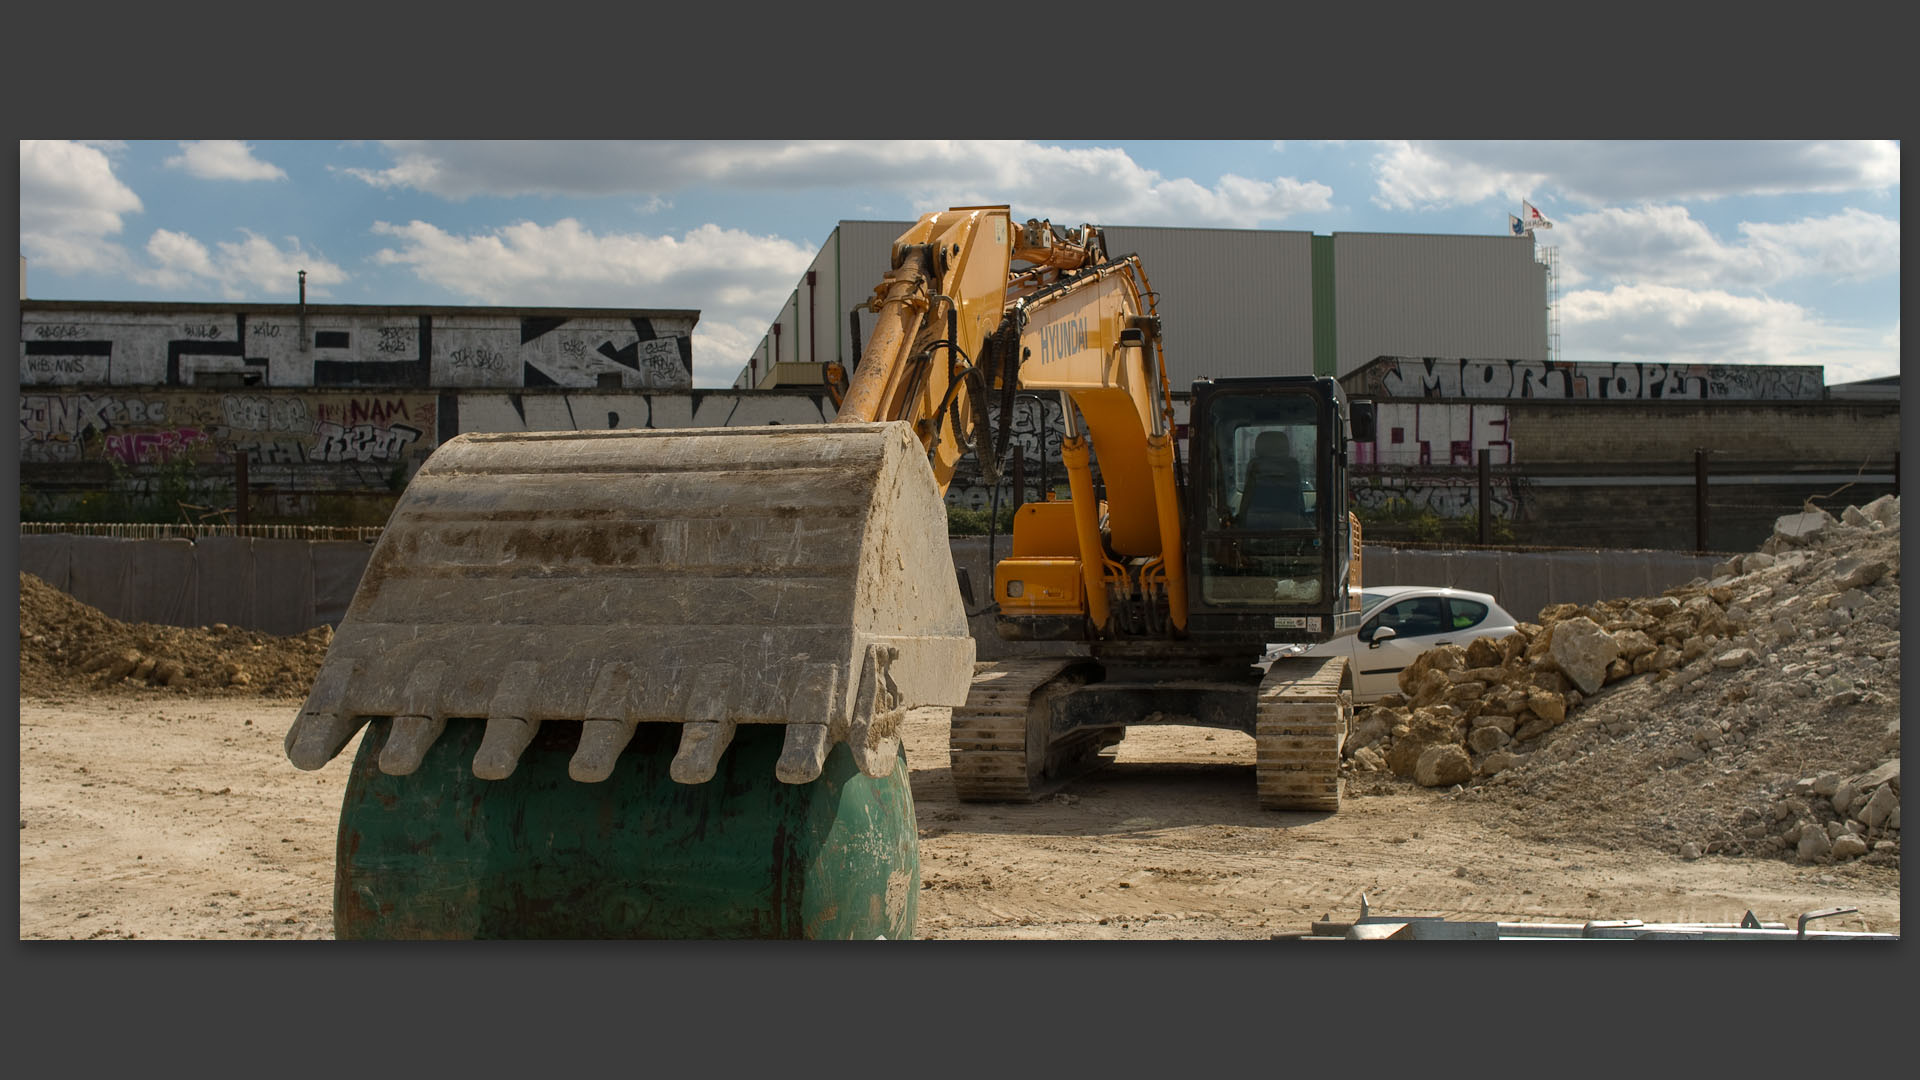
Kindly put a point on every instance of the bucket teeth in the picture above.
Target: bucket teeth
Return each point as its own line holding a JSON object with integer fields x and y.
{"x": 612, "y": 695}
{"x": 408, "y": 743}
{"x": 600, "y": 744}
{"x": 811, "y": 713}
{"x": 608, "y": 725}
{"x": 505, "y": 740}
{"x": 701, "y": 744}
{"x": 803, "y": 754}
{"x": 324, "y": 725}
{"x": 814, "y": 696}
{"x": 877, "y": 713}
{"x": 422, "y": 694}
{"x": 316, "y": 737}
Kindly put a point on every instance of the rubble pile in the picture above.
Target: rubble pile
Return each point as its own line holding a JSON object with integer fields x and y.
{"x": 1755, "y": 712}
{"x": 68, "y": 646}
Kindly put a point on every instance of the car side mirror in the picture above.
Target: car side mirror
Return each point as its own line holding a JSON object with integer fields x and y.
{"x": 1380, "y": 635}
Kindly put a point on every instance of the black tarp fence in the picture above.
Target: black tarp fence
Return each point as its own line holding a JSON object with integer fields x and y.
{"x": 287, "y": 586}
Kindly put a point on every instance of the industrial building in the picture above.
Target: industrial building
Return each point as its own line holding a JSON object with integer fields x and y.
{"x": 1234, "y": 302}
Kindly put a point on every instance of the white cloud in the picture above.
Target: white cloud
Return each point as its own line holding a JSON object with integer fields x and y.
{"x": 254, "y": 267}
{"x": 1665, "y": 324}
{"x": 1417, "y": 175}
{"x": 1852, "y": 245}
{"x": 224, "y": 159}
{"x": 1093, "y": 184}
{"x": 1666, "y": 245}
{"x": 70, "y": 203}
{"x": 733, "y": 278}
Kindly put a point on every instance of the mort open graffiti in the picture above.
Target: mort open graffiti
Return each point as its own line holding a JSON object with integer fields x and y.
{"x": 1433, "y": 377}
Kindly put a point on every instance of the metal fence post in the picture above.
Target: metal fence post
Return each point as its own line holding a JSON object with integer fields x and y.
{"x": 240, "y": 497}
{"x": 1486, "y": 495}
{"x": 1700, "y": 501}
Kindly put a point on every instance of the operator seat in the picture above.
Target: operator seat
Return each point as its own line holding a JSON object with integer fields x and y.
{"x": 1271, "y": 497}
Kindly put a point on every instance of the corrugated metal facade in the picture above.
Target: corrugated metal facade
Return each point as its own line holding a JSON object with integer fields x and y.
{"x": 866, "y": 254}
{"x": 1239, "y": 302}
{"x": 1232, "y": 301}
{"x": 1403, "y": 294}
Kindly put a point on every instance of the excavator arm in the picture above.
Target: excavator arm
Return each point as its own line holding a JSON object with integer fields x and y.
{"x": 976, "y": 306}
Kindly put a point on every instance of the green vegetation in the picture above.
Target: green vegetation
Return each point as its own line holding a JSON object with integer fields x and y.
{"x": 964, "y": 522}
{"x": 1399, "y": 520}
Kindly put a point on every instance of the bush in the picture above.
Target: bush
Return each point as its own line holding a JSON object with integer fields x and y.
{"x": 964, "y": 522}
{"x": 1402, "y": 521}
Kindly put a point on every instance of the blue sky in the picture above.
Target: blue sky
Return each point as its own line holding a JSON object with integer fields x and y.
{"x": 1741, "y": 252}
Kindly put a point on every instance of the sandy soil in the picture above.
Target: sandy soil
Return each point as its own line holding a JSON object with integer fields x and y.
{"x": 156, "y": 815}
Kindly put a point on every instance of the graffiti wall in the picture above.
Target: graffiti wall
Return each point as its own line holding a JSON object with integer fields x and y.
{"x": 1447, "y": 497}
{"x": 1436, "y": 434}
{"x": 1036, "y": 430}
{"x": 1391, "y": 377}
{"x": 143, "y": 428}
{"x": 67, "y": 344}
{"x": 606, "y": 412}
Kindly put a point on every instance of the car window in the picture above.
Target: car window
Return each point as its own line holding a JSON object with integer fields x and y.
{"x": 1415, "y": 617}
{"x": 1466, "y": 613}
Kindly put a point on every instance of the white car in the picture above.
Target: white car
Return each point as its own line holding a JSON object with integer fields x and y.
{"x": 1397, "y": 624}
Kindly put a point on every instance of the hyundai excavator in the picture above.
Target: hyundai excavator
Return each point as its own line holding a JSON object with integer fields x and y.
{"x": 650, "y": 683}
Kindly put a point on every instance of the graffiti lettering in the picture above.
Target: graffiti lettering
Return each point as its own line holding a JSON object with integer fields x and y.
{"x": 362, "y": 411}
{"x": 155, "y": 446}
{"x": 573, "y": 349}
{"x": 61, "y": 332}
{"x": 259, "y": 412}
{"x": 271, "y": 452}
{"x": 201, "y": 331}
{"x": 71, "y": 416}
{"x": 478, "y": 359}
{"x": 395, "y": 339}
{"x": 362, "y": 442}
{"x": 263, "y": 330}
{"x": 1430, "y": 377}
{"x": 660, "y": 364}
{"x": 1453, "y": 501}
{"x": 56, "y": 365}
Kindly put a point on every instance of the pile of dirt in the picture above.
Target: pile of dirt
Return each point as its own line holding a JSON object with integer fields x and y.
{"x": 69, "y": 647}
{"x": 1753, "y": 713}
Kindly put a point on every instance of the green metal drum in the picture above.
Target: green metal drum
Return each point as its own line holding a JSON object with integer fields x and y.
{"x": 442, "y": 854}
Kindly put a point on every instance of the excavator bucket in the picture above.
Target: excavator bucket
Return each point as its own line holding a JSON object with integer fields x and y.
{"x": 557, "y": 591}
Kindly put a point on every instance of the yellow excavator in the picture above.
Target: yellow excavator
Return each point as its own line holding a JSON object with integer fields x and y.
{"x": 650, "y": 683}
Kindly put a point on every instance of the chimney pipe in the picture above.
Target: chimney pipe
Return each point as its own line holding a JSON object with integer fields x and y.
{"x": 813, "y": 345}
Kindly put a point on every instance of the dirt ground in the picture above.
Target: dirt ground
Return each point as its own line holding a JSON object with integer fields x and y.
{"x": 154, "y": 814}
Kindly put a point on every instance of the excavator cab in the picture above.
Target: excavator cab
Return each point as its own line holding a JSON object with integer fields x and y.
{"x": 1268, "y": 510}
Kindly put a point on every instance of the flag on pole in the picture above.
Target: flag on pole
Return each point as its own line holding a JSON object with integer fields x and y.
{"x": 1534, "y": 220}
{"x": 1514, "y": 224}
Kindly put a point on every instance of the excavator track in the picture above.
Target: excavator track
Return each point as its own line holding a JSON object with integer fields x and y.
{"x": 1305, "y": 706}
{"x": 999, "y": 742}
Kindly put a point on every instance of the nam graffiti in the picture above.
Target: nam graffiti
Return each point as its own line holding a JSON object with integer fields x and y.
{"x": 215, "y": 429}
